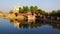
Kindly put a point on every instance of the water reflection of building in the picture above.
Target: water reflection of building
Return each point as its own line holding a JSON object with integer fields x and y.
{"x": 31, "y": 18}
{"x": 17, "y": 6}
{"x": 25, "y": 25}
{"x": 16, "y": 24}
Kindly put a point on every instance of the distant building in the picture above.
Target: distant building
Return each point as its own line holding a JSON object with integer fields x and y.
{"x": 31, "y": 18}
{"x": 16, "y": 8}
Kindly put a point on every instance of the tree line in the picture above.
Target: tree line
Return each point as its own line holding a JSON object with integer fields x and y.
{"x": 34, "y": 9}
{"x": 55, "y": 13}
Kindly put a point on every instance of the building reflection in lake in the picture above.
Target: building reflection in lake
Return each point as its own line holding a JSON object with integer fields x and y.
{"x": 35, "y": 24}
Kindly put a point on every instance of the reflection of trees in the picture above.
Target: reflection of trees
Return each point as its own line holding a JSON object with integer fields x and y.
{"x": 11, "y": 20}
{"x": 25, "y": 24}
{"x": 33, "y": 25}
{"x": 56, "y": 25}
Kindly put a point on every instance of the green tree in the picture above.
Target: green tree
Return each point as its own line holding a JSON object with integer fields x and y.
{"x": 58, "y": 13}
{"x": 53, "y": 13}
{"x": 40, "y": 11}
{"x": 25, "y": 8}
{"x": 46, "y": 14}
{"x": 35, "y": 9}
{"x": 43, "y": 12}
{"x": 20, "y": 10}
{"x": 31, "y": 8}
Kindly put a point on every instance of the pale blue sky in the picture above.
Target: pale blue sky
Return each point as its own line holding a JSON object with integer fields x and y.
{"x": 47, "y": 5}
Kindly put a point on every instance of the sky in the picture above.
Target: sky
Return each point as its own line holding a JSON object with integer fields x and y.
{"x": 47, "y": 5}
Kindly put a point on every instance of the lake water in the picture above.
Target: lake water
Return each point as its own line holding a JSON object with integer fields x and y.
{"x": 7, "y": 27}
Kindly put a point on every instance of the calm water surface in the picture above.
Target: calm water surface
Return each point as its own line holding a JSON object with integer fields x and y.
{"x": 7, "y": 27}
